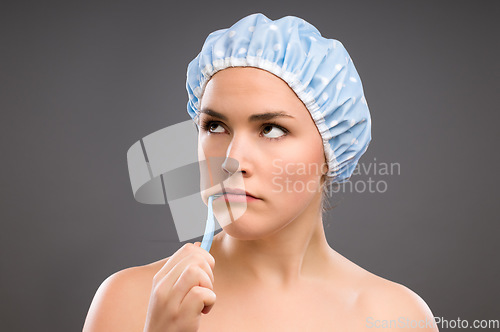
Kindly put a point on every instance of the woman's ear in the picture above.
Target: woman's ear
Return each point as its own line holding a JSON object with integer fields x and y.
{"x": 324, "y": 169}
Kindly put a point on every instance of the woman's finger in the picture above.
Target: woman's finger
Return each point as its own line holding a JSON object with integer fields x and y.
{"x": 188, "y": 248}
{"x": 198, "y": 299}
{"x": 192, "y": 276}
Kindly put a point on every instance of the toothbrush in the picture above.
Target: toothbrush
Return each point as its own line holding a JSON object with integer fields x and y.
{"x": 206, "y": 243}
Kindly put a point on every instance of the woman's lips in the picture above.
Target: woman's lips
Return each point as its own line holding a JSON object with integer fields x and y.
{"x": 236, "y": 195}
{"x": 238, "y": 198}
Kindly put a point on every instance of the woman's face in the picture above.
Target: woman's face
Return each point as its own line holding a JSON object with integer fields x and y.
{"x": 254, "y": 117}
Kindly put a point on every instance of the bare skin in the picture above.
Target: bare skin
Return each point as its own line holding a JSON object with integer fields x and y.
{"x": 274, "y": 269}
{"x": 341, "y": 302}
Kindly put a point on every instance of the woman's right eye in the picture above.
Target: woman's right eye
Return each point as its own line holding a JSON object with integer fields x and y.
{"x": 212, "y": 127}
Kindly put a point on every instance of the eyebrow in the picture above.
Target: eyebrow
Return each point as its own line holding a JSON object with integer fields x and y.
{"x": 251, "y": 118}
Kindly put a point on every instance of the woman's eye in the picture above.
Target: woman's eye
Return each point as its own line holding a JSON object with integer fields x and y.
{"x": 213, "y": 125}
{"x": 273, "y": 131}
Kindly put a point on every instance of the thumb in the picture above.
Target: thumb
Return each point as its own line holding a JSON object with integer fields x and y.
{"x": 198, "y": 244}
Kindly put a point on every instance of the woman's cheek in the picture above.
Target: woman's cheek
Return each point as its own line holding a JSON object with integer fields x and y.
{"x": 294, "y": 180}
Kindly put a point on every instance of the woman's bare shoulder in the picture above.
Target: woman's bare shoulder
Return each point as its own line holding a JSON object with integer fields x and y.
{"x": 134, "y": 279}
{"x": 123, "y": 294}
{"x": 385, "y": 302}
{"x": 375, "y": 299}
{"x": 380, "y": 300}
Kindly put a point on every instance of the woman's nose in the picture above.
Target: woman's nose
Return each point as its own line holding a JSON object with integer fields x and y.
{"x": 237, "y": 156}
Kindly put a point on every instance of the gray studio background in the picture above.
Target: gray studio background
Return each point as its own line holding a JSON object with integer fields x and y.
{"x": 82, "y": 81}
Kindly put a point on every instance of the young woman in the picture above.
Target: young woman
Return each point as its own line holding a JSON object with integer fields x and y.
{"x": 288, "y": 105}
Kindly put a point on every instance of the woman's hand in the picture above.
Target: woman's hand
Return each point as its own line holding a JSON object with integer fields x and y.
{"x": 182, "y": 291}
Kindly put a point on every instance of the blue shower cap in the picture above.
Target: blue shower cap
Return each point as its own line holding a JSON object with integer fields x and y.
{"x": 317, "y": 69}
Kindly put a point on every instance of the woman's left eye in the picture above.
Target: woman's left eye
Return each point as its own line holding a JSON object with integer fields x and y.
{"x": 274, "y": 131}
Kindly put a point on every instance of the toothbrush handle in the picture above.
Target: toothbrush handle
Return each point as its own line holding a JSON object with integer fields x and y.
{"x": 206, "y": 243}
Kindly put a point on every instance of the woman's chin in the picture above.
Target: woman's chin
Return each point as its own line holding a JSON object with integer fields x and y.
{"x": 226, "y": 216}
{"x": 246, "y": 228}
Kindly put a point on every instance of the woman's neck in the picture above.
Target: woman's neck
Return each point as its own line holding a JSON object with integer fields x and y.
{"x": 296, "y": 252}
